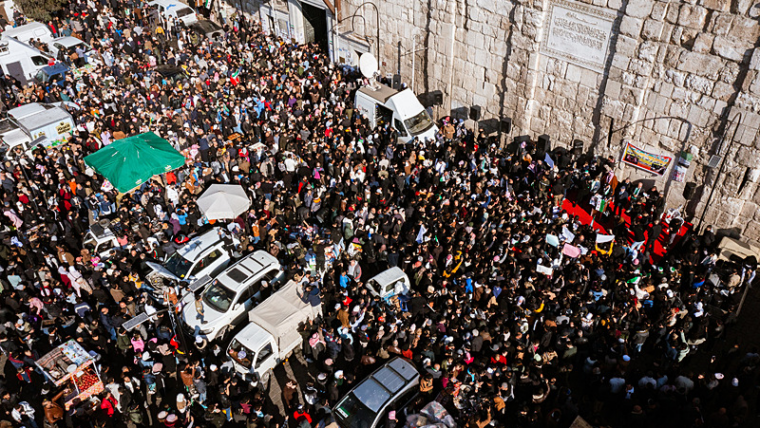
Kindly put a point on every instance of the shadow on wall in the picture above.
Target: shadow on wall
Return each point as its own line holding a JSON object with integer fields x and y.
{"x": 505, "y": 62}
{"x": 596, "y": 117}
{"x": 690, "y": 209}
{"x": 733, "y": 232}
{"x": 646, "y": 182}
{"x": 426, "y": 43}
{"x": 489, "y": 125}
{"x": 460, "y": 113}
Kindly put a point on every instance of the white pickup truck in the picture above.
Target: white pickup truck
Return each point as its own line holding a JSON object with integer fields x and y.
{"x": 273, "y": 332}
{"x": 227, "y": 298}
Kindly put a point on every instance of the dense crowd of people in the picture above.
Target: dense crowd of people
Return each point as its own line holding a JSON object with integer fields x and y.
{"x": 519, "y": 313}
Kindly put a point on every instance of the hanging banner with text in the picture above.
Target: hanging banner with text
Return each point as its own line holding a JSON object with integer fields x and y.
{"x": 656, "y": 164}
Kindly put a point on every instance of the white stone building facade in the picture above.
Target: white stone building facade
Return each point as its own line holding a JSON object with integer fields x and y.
{"x": 665, "y": 76}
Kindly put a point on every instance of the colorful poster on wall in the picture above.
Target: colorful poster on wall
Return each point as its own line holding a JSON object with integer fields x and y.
{"x": 651, "y": 162}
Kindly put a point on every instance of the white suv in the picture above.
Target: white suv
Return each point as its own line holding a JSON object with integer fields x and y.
{"x": 207, "y": 254}
{"x": 227, "y": 299}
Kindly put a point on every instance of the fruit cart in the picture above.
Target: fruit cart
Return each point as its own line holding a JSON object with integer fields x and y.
{"x": 73, "y": 369}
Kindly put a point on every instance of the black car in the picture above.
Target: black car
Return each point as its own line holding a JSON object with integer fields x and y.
{"x": 172, "y": 73}
{"x": 210, "y": 29}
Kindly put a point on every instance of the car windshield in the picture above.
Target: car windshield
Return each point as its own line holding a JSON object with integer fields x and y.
{"x": 184, "y": 12}
{"x": 178, "y": 265}
{"x": 352, "y": 413}
{"x": 240, "y": 354}
{"x": 419, "y": 124}
{"x": 218, "y": 296}
{"x": 90, "y": 245}
{"x": 41, "y": 76}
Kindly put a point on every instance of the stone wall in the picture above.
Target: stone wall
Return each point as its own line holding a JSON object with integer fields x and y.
{"x": 676, "y": 76}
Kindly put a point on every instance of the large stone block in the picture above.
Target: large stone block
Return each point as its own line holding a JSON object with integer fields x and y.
{"x": 631, "y": 26}
{"x": 730, "y": 48}
{"x": 573, "y": 73}
{"x": 615, "y": 4}
{"x": 648, "y": 51}
{"x": 660, "y": 10}
{"x": 745, "y": 28}
{"x": 722, "y": 91}
{"x": 677, "y": 78}
{"x": 703, "y": 43}
{"x": 639, "y": 8}
{"x": 692, "y": 16}
{"x": 639, "y": 67}
{"x": 742, "y": 6}
{"x": 626, "y": 46}
{"x": 652, "y": 30}
{"x": 590, "y": 78}
{"x": 700, "y": 64}
{"x": 612, "y": 108}
{"x": 721, "y": 5}
{"x": 720, "y": 23}
{"x": 699, "y": 84}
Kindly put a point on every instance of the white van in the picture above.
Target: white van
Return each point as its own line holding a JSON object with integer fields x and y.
{"x": 50, "y": 123}
{"x": 20, "y": 60}
{"x": 63, "y": 47}
{"x": 207, "y": 254}
{"x": 31, "y": 31}
{"x": 228, "y": 298}
{"x": 100, "y": 241}
{"x": 389, "y": 283}
{"x": 273, "y": 332}
{"x": 401, "y": 109}
{"x": 168, "y": 9}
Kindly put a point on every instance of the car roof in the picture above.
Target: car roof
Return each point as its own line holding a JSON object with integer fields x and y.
{"x": 169, "y": 70}
{"x": 24, "y": 28}
{"x": 55, "y": 69}
{"x": 251, "y": 336}
{"x": 68, "y": 41}
{"x": 26, "y": 110}
{"x": 242, "y": 272}
{"x": 166, "y": 3}
{"x": 393, "y": 377}
{"x": 205, "y": 26}
{"x": 388, "y": 276}
{"x": 52, "y": 115}
{"x": 195, "y": 248}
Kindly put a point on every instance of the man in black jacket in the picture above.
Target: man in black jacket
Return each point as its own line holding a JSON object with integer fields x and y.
{"x": 654, "y": 232}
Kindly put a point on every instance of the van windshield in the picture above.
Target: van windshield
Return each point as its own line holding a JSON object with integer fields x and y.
{"x": 178, "y": 265}
{"x": 419, "y": 124}
{"x": 352, "y": 413}
{"x": 184, "y": 12}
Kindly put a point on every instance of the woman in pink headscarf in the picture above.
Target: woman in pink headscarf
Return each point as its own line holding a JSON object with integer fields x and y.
{"x": 14, "y": 218}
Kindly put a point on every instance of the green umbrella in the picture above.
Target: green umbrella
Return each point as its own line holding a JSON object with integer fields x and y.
{"x": 130, "y": 162}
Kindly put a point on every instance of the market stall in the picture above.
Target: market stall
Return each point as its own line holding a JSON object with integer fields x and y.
{"x": 73, "y": 369}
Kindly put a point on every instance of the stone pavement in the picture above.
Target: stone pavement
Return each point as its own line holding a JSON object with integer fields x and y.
{"x": 294, "y": 367}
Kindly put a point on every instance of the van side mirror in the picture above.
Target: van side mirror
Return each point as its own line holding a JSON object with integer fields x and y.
{"x": 236, "y": 307}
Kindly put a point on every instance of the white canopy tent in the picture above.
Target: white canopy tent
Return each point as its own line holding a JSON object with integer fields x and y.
{"x": 223, "y": 201}
{"x": 283, "y": 311}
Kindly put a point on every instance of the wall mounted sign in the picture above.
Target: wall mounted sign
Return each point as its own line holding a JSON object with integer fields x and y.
{"x": 579, "y": 33}
{"x": 656, "y": 164}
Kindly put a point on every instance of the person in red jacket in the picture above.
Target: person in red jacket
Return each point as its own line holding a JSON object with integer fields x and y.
{"x": 109, "y": 405}
{"x": 300, "y": 414}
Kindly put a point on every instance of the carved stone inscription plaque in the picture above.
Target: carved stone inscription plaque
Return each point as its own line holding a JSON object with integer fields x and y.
{"x": 579, "y": 33}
